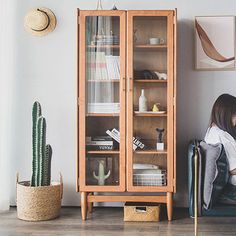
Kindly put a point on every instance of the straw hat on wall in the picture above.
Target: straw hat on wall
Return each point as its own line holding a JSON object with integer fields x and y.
{"x": 40, "y": 21}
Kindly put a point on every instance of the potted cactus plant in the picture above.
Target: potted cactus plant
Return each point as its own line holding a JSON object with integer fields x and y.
{"x": 39, "y": 199}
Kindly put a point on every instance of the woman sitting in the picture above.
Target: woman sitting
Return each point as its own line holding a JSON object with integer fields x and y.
{"x": 223, "y": 129}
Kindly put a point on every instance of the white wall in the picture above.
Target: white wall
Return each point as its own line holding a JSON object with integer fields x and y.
{"x": 45, "y": 70}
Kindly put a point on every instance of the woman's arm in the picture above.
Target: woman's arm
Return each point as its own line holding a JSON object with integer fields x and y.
{"x": 233, "y": 172}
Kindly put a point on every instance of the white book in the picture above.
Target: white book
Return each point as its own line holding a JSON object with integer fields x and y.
{"x": 113, "y": 136}
{"x": 116, "y": 134}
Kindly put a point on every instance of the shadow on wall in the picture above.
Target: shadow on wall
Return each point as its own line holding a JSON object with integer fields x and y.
{"x": 188, "y": 108}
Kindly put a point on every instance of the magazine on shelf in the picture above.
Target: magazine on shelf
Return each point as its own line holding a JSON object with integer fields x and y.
{"x": 115, "y": 134}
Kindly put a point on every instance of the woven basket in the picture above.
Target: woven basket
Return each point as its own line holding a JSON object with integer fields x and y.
{"x": 141, "y": 212}
{"x": 38, "y": 203}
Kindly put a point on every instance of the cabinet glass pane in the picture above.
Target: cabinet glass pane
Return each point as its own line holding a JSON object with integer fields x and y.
{"x": 150, "y": 81}
{"x": 102, "y": 100}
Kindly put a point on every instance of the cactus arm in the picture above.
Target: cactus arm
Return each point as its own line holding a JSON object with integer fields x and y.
{"x": 95, "y": 176}
{"x": 46, "y": 172}
{"x": 36, "y": 113}
{"x": 107, "y": 175}
{"x": 41, "y": 147}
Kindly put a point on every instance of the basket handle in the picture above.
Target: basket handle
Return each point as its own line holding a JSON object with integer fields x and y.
{"x": 61, "y": 185}
{"x": 140, "y": 209}
{"x": 17, "y": 177}
{"x": 17, "y": 181}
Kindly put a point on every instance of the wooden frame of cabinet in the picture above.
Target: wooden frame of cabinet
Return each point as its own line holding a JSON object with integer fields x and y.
{"x": 126, "y": 115}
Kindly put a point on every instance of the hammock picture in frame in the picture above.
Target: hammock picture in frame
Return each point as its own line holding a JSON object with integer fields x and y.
{"x": 215, "y": 43}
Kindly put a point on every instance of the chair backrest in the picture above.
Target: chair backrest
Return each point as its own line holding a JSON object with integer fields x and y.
{"x": 212, "y": 174}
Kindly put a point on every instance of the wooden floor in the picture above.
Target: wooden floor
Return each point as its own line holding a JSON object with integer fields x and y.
{"x": 109, "y": 221}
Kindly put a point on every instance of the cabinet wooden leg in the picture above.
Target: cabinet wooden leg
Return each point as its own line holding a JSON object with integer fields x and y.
{"x": 90, "y": 205}
{"x": 84, "y": 205}
{"x": 169, "y": 205}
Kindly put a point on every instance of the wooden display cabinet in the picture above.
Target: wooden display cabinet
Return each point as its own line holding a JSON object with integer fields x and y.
{"x": 115, "y": 62}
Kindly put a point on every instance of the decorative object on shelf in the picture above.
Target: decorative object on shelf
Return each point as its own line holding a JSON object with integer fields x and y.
{"x": 142, "y": 102}
{"x": 149, "y": 74}
{"x": 40, "y": 21}
{"x": 161, "y": 76}
{"x": 99, "y": 5}
{"x": 160, "y": 142}
{"x": 155, "y": 107}
{"x": 39, "y": 199}
{"x": 101, "y": 177}
{"x": 156, "y": 41}
{"x": 212, "y": 50}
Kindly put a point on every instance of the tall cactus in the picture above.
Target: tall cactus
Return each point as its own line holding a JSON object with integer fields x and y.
{"x": 36, "y": 113}
{"x": 42, "y": 153}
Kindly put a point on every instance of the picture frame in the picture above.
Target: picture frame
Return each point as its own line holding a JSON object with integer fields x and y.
{"x": 215, "y": 43}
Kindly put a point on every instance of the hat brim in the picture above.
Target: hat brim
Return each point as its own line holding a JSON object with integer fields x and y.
{"x": 51, "y": 26}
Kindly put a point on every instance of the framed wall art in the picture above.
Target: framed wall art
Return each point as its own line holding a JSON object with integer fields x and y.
{"x": 215, "y": 43}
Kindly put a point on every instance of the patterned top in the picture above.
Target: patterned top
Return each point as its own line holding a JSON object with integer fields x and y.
{"x": 216, "y": 135}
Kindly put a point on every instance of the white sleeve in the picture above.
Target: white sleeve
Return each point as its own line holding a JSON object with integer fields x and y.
{"x": 230, "y": 149}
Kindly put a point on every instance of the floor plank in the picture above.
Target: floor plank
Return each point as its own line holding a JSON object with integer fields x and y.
{"x": 109, "y": 221}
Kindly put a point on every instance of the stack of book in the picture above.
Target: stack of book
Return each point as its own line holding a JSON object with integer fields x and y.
{"x": 148, "y": 175}
{"x": 106, "y": 40}
{"x": 103, "y": 107}
{"x": 102, "y": 67}
{"x": 115, "y": 134}
{"x": 99, "y": 143}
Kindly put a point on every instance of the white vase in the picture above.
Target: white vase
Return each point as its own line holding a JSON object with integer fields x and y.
{"x": 142, "y": 102}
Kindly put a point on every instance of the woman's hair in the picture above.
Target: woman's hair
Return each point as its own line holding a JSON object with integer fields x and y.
{"x": 222, "y": 112}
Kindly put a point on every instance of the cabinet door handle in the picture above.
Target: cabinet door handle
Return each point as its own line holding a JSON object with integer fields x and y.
{"x": 130, "y": 84}
{"x": 124, "y": 83}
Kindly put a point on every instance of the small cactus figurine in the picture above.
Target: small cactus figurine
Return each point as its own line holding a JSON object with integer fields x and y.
{"x": 101, "y": 177}
{"x": 42, "y": 153}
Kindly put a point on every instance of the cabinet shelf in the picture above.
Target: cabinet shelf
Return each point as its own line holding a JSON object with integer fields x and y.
{"x": 149, "y": 46}
{"x": 151, "y": 151}
{"x": 104, "y": 152}
{"x": 104, "y": 81}
{"x": 104, "y": 46}
{"x": 150, "y": 81}
{"x": 103, "y": 114}
{"x": 150, "y": 114}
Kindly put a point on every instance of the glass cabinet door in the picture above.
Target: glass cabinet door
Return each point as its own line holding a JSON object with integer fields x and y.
{"x": 150, "y": 114}
{"x": 102, "y": 106}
